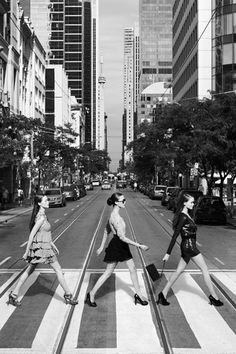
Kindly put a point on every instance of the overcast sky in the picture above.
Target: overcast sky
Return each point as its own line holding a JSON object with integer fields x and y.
{"x": 114, "y": 16}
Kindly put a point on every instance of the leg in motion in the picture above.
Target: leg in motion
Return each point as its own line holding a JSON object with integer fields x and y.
{"x": 200, "y": 262}
{"x": 138, "y": 298}
{"x": 162, "y": 296}
{"x": 60, "y": 276}
{"x": 91, "y": 295}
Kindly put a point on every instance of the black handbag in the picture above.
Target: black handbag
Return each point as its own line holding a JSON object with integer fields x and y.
{"x": 153, "y": 272}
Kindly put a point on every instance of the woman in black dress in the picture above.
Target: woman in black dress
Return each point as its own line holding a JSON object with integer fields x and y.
{"x": 183, "y": 224}
{"x": 40, "y": 249}
{"x": 117, "y": 250}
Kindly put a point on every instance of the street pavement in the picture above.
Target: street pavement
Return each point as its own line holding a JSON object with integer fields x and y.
{"x": 14, "y": 210}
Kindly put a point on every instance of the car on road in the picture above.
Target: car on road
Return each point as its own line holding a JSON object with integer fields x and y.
{"x": 157, "y": 191}
{"x": 88, "y": 186}
{"x": 167, "y": 194}
{"x": 106, "y": 185}
{"x": 120, "y": 183}
{"x": 82, "y": 189}
{"x": 210, "y": 209}
{"x": 95, "y": 183}
{"x": 71, "y": 192}
{"x": 55, "y": 196}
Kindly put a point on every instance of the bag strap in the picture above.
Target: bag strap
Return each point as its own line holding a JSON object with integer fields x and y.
{"x": 163, "y": 266}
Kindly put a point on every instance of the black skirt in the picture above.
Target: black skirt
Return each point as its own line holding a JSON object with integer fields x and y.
{"x": 117, "y": 251}
{"x": 189, "y": 249}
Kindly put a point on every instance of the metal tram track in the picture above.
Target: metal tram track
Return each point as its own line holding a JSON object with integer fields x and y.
{"x": 54, "y": 240}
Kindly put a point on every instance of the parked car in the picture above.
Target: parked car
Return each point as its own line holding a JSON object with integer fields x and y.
{"x": 166, "y": 195}
{"x": 193, "y": 192}
{"x": 55, "y": 197}
{"x": 157, "y": 191}
{"x": 171, "y": 201}
{"x": 210, "y": 209}
{"x": 88, "y": 186}
{"x": 96, "y": 183}
{"x": 82, "y": 189}
{"x": 71, "y": 192}
{"x": 106, "y": 185}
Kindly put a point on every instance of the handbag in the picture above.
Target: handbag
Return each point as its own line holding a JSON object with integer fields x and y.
{"x": 153, "y": 272}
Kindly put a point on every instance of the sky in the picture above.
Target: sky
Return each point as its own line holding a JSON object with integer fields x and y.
{"x": 114, "y": 16}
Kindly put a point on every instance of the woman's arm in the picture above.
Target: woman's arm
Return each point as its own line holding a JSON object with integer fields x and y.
{"x": 104, "y": 238}
{"x": 33, "y": 232}
{"x": 181, "y": 222}
{"x": 121, "y": 234}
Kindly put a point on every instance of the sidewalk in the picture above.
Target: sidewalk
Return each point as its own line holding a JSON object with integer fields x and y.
{"x": 12, "y": 210}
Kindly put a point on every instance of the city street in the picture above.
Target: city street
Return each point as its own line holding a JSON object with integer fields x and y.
{"x": 45, "y": 324}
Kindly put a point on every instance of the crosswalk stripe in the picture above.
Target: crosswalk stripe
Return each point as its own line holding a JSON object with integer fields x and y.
{"x": 207, "y": 324}
{"x": 135, "y": 328}
{"x": 51, "y": 323}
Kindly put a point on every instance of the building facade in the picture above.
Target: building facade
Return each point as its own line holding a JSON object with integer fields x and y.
{"x": 192, "y": 49}
{"x": 155, "y": 26}
{"x": 100, "y": 121}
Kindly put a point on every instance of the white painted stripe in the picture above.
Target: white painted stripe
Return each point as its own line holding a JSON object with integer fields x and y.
{"x": 77, "y": 206}
{"x": 133, "y": 320}
{"x": 203, "y": 318}
{"x": 5, "y": 260}
{"x": 199, "y": 244}
{"x": 228, "y": 279}
{"x": 155, "y": 209}
{"x": 51, "y": 324}
{"x": 23, "y": 244}
{"x": 65, "y": 214}
{"x": 7, "y": 310}
{"x": 5, "y": 285}
{"x": 161, "y": 214}
{"x": 56, "y": 221}
{"x": 73, "y": 332}
{"x": 169, "y": 220}
{"x": 218, "y": 260}
{"x": 72, "y": 209}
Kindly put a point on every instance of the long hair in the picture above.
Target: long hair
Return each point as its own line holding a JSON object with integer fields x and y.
{"x": 114, "y": 198}
{"x": 180, "y": 204}
{"x": 35, "y": 210}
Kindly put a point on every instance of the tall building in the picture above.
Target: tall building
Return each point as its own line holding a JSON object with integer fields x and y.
{"x": 223, "y": 46}
{"x": 192, "y": 49}
{"x": 100, "y": 129}
{"x": 155, "y": 23}
{"x": 68, "y": 30}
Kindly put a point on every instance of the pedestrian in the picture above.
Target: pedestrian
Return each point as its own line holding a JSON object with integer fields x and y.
{"x": 20, "y": 196}
{"x": 117, "y": 250}
{"x": 184, "y": 224}
{"x": 5, "y": 195}
{"x": 40, "y": 249}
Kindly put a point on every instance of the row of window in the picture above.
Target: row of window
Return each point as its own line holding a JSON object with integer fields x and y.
{"x": 188, "y": 72}
{"x": 181, "y": 14}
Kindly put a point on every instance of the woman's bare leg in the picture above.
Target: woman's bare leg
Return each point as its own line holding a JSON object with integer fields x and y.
{"x": 60, "y": 276}
{"x": 181, "y": 266}
{"x": 134, "y": 277}
{"x": 24, "y": 276}
{"x": 109, "y": 270}
{"x": 200, "y": 262}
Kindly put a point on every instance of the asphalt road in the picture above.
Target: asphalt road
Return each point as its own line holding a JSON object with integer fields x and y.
{"x": 44, "y": 324}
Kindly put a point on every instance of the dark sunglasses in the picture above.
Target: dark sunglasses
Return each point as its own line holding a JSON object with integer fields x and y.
{"x": 122, "y": 201}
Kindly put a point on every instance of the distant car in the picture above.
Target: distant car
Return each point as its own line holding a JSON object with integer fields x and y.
{"x": 120, "y": 183}
{"x": 106, "y": 185}
{"x": 89, "y": 186}
{"x": 210, "y": 209}
{"x": 157, "y": 191}
{"x": 96, "y": 183}
{"x": 55, "y": 197}
{"x": 82, "y": 189}
{"x": 166, "y": 195}
{"x": 71, "y": 192}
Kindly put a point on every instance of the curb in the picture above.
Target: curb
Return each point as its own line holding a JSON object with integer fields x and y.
{"x": 14, "y": 215}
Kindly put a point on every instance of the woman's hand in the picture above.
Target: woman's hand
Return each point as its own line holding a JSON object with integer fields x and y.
{"x": 99, "y": 251}
{"x": 166, "y": 257}
{"x": 144, "y": 247}
{"x": 25, "y": 255}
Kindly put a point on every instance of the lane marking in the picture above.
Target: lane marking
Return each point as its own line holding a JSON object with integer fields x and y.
{"x": 161, "y": 214}
{"x": 169, "y": 220}
{"x": 199, "y": 244}
{"x": 218, "y": 260}
{"x": 5, "y": 260}
{"x": 23, "y": 244}
{"x": 72, "y": 209}
{"x": 65, "y": 214}
{"x": 56, "y": 221}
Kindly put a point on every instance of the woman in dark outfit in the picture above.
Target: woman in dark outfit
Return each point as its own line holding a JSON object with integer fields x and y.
{"x": 183, "y": 224}
{"x": 117, "y": 251}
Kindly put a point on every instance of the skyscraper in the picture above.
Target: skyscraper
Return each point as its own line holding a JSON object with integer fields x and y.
{"x": 100, "y": 129}
{"x": 155, "y": 23}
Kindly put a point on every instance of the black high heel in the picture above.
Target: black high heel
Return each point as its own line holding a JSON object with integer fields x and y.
{"x": 12, "y": 300}
{"x": 138, "y": 300}
{"x": 215, "y": 302}
{"x": 69, "y": 300}
{"x": 89, "y": 302}
{"x": 162, "y": 300}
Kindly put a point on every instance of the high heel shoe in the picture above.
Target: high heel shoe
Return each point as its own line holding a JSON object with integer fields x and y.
{"x": 69, "y": 300}
{"x": 12, "y": 300}
{"x": 89, "y": 302}
{"x": 138, "y": 300}
{"x": 162, "y": 300}
{"x": 215, "y": 302}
